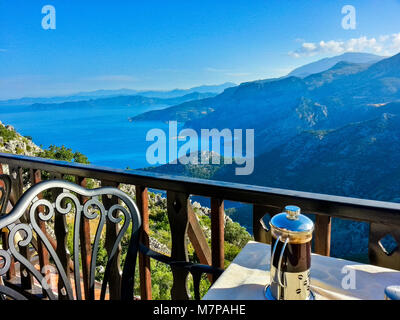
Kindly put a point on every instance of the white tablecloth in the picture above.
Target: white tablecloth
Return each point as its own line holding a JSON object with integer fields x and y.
{"x": 248, "y": 274}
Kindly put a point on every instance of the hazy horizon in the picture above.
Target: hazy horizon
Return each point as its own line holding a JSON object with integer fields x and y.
{"x": 172, "y": 88}
{"x": 158, "y": 45}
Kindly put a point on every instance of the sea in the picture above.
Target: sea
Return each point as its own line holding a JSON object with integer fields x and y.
{"x": 104, "y": 134}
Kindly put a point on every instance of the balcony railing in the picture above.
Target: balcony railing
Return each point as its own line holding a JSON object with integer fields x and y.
{"x": 383, "y": 217}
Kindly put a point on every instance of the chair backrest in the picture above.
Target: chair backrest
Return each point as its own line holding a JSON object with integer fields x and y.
{"x": 33, "y": 214}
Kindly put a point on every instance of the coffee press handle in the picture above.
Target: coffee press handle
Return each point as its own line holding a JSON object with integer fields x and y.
{"x": 280, "y": 259}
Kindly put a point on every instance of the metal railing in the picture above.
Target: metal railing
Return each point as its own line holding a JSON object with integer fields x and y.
{"x": 383, "y": 217}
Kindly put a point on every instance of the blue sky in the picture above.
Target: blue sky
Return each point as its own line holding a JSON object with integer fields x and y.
{"x": 178, "y": 44}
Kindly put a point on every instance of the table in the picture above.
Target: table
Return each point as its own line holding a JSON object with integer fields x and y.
{"x": 247, "y": 275}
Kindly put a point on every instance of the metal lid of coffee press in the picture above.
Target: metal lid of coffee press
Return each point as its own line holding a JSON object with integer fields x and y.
{"x": 293, "y": 225}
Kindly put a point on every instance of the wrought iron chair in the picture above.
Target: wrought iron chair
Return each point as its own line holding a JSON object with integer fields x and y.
{"x": 67, "y": 199}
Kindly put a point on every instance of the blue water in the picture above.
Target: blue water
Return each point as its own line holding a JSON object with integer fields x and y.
{"x": 103, "y": 134}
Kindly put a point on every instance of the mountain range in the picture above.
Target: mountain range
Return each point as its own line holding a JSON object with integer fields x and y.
{"x": 125, "y": 101}
{"x": 99, "y": 94}
{"x": 327, "y": 63}
{"x": 334, "y": 132}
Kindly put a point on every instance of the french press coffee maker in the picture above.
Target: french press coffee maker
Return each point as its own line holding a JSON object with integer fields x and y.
{"x": 290, "y": 256}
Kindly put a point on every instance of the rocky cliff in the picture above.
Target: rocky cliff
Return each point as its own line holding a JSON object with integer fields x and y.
{"x": 12, "y": 142}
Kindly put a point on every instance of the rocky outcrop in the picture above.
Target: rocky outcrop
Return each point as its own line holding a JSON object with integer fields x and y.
{"x": 158, "y": 246}
{"x": 12, "y": 142}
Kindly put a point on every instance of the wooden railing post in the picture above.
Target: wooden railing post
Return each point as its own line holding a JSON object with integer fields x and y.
{"x": 217, "y": 233}
{"x": 112, "y": 230}
{"x": 198, "y": 238}
{"x": 85, "y": 241}
{"x": 322, "y": 235}
{"x": 177, "y": 205}
{"x": 142, "y": 201}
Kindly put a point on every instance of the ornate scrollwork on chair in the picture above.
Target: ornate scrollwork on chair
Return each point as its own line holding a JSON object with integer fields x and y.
{"x": 68, "y": 202}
